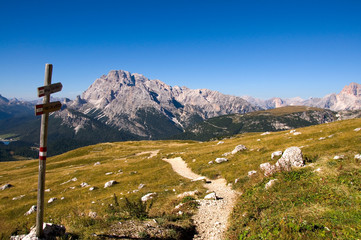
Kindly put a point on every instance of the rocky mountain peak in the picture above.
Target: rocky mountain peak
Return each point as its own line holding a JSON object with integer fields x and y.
{"x": 3, "y": 100}
{"x": 353, "y": 89}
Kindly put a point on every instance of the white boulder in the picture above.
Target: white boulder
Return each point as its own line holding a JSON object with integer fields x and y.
{"x": 292, "y": 157}
{"x": 358, "y": 156}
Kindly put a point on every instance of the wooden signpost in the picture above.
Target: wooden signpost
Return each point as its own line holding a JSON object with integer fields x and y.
{"x": 44, "y": 110}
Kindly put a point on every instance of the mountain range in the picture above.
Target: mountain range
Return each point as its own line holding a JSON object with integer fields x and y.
{"x": 124, "y": 106}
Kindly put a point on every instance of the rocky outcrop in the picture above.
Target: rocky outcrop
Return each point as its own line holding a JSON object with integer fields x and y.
{"x": 291, "y": 158}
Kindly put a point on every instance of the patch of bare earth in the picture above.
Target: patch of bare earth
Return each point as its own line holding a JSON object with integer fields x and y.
{"x": 212, "y": 218}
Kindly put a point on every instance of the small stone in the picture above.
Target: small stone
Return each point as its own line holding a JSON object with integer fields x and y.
{"x": 267, "y": 168}
{"x": 358, "y": 156}
{"x": 148, "y": 196}
{"x": 265, "y": 133}
{"x": 6, "y": 186}
{"x": 250, "y": 173}
{"x": 109, "y": 173}
{"x": 276, "y": 154}
{"x": 31, "y": 210}
{"x": 338, "y": 157}
{"x": 19, "y": 197}
{"x": 357, "y": 129}
{"x": 110, "y": 183}
{"x": 221, "y": 160}
{"x": 97, "y": 163}
{"x": 199, "y": 179}
{"x": 92, "y": 214}
{"x": 322, "y": 138}
{"x": 52, "y": 199}
{"x": 211, "y": 196}
{"x": 210, "y": 162}
{"x": 270, "y": 183}
{"x": 141, "y": 186}
{"x": 220, "y": 142}
{"x": 84, "y": 184}
{"x": 62, "y": 198}
{"x": 190, "y": 193}
{"x": 297, "y": 133}
{"x": 238, "y": 149}
{"x": 47, "y": 190}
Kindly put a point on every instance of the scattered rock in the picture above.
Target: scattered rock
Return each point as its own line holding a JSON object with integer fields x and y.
{"x": 226, "y": 154}
{"x": 31, "y": 210}
{"x": 52, "y": 199}
{"x": 211, "y": 196}
{"x": 267, "y": 168}
{"x": 357, "y": 129}
{"x": 238, "y": 149}
{"x": 19, "y": 197}
{"x": 293, "y": 131}
{"x": 276, "y": 154}
{"x": 84, "y": 184}
{"x": 71, "y": 180}
{"x": 62, "y": 198}
{"x": 141, "y": 186}
{"x": 190, "y": 193}
{"x": 236, "y": 180}
{"x": 358, "y": 156}
{"x": 199, "y": 179}
{"x": 47, "y": 190}
{"x": 6, "y": 186}
{"x": 318, "y": 170}
{"x": 296, "y": 133}
{"x": 220, "y": 142}
{"x": 220, "y": 160}
{"x": 270, "y": 183}
{"x": 265, "y": 133}
{"x": 250, "y": 173}
{"x": 148, "y": 196}
{"x": 110, "y": 183}
{"x": 97, "y": 163}
{"x": 92, "y": 214}
{"x": 337, "y": 157}
{"x": 210, "y": 162}
{"x": 51, "y": 232}
{"x": 322, "y": 138}
{"x": 109, "y": 173}
{"x": 292, "y": 157}
{"x": 258, "y": 140}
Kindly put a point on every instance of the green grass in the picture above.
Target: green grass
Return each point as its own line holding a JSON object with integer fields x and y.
{"x": 303, "y": 204}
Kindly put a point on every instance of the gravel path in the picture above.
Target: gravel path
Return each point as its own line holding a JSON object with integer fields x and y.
{"x": 212, "y": 218}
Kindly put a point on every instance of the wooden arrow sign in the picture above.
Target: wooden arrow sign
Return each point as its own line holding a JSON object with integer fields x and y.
{"x": 47, "y": 108}
{"x": 52, "y": 88}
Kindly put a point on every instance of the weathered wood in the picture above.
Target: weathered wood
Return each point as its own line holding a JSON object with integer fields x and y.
{"x": 52, "y": 88}
{"x": 47, "y": 108}
{"x": 42, "y": 159}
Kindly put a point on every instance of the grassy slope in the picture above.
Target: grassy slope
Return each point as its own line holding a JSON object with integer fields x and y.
{"x": 302, "y": 204}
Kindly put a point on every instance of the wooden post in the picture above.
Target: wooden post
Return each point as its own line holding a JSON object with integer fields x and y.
{"x": 42, "y": 156}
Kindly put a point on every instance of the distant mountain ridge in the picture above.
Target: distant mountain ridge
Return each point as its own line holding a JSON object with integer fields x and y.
{"x": 123, "y": 106}
{"x": 348, "y": 99}
{"x": 136, "y": 104}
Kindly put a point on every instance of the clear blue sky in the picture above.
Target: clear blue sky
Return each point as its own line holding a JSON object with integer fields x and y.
{"x": 260, "y": 48}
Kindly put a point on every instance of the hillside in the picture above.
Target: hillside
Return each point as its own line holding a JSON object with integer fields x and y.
{"x": 318, "y": 201}
{"x": 283, "y": 118}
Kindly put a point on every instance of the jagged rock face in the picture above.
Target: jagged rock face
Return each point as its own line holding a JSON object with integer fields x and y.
{"x": 126, "y": 101}
{"x": 348, "y": 99}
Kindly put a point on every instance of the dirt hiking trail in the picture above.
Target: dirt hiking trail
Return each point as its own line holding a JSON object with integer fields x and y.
{"x": 212, "y": 218}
